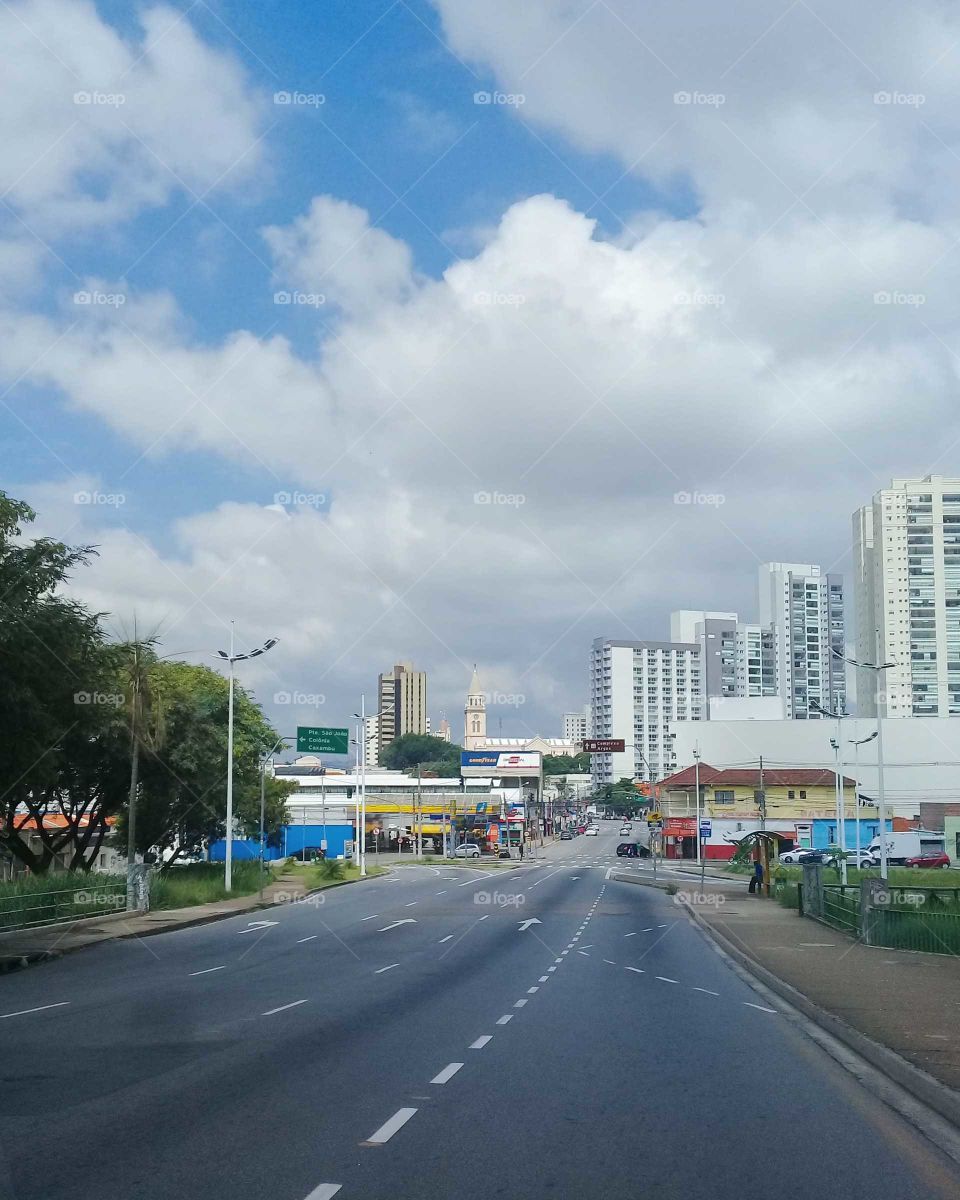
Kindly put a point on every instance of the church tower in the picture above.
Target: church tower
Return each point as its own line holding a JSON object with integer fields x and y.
{"x": 475, "y": 716}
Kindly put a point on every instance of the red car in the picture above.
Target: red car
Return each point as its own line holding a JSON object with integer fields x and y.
{"x": 928, "y": 861}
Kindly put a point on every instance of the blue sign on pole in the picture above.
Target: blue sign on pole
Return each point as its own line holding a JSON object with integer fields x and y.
{"x": 705, "y": 828}
{"x": 481, "y": 806}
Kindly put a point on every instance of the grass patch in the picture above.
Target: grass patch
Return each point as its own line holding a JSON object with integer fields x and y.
{"x": 59, "y": 895}
{"x": 201, "y": 883}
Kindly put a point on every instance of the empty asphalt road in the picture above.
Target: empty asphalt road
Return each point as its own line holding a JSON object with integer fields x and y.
{"x": 438, "y": 1033}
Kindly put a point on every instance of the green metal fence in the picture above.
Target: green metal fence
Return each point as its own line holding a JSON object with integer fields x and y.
{"x": 841, "y": 906}
{"x": 925, "y": 919}
{"x": 31, "y": 909}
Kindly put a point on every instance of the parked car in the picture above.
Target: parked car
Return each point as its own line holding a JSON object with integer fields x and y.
{"x": 855, "y": 858}
{"x": 309, "y": 854}
{"x": 566, "y": 836}
{"x": 928, "y": 861}
{"x": 802, "y": 854}
{"x": 632, "y": 850}
{"x": 467, "y": 850}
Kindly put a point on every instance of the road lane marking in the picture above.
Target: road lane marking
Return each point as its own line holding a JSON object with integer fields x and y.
{"x": 283, "y": 1008}
{"x": 446, "y": 939}
{"x": 707, "y": 991}
{"x": 630, "y": 934}
{"x": 481, "y": 1041}
{"x": 390, "y": 968}
{"x": 588, "y": 946}
{"x": 301, "y": 940}
{"x": 443, "y": 892}
{"x": 411, "y": 904}
{"x": 554, "y": 967}
{"x": 664, "y": 979}
{"x": 584, "y": 953}
{"x": 762, "y": 1007}
{"x": 389, "y": 1128}
{"x": 325, "y": 1191}
{"x": 256, "y": 926}
{"x": 661, "y": 926}
{"x": 532, "y": 990}
{"x": 372, "y": 917}
{"x": 649, "y": 929}
{"x": 397, "y": 924}
{"x": 447, "y": 1073}
{"x": 610, "y": 961}
{"x": 519, "y": 1003}
{"x": 208, "y": 971}
{"x": 505, "y": 1018}
{"x": 638, "y": 970}
{"x": 543, "y": 978}
{"x": 23, "y": 1011}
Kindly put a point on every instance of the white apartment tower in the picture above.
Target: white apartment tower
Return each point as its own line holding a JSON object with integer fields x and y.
{"x": 906, "y": 552}
{"x": 577, "y": 726}
{"x": 636, "y": 690}
{"x": 805, "y": 608}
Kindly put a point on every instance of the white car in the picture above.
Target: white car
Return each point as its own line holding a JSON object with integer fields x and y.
{"x": 625, "y": 830}
{"x": 467, "y": 850}
{"x": 592, "y": 831}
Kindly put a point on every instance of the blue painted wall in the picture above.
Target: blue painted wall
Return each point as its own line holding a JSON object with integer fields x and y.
{"x": 825, "y": 832}
{"x": 292, "y": 839}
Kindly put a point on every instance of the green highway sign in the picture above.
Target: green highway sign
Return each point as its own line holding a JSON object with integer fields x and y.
{"x": 315, "y": 739}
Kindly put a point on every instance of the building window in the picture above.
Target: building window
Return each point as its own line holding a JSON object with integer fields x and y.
{"x": 723, "y": 797}
{"x": 790, "y": 794}
{"x": 803, "y": 794}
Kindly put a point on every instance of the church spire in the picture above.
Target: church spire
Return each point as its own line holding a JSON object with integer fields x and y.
{"x": 475, "y": 715}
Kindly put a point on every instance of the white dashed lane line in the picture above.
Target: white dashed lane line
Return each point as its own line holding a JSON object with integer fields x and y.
{"x": 637, "y": 970}
{"x": 372, "y": 917}
{"x": 519, "y": 1003}
{"x": 390, "y": 968}
{"x": 505, "y": 1018}
{"x": 208, "y": 971}
{"x": 762, "y": 1007}
{"x": 481, "y": 1041}
{"x": 630, "y": 934}
{"x": 446, "y": 939}
{"x": 665, "y": 979}
{"x": 389, "y": 1128}
{"x": 706, "y": 991}
{"x": 447, "y": 1073}
{"x": 543, "y": 978}
{"x": 24, "y": 1011}
{"x": 283, "y": 1008}
{"x": 532, "y": 990}
{"x": 300, "y": 941}
{"x": 610, "y": 961}
{"x": 325, "y": 1191}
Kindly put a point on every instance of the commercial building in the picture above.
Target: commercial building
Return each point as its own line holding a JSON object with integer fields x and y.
{"x": 372, "y": 740}
{"x": 906, "y": 552}
{"x": 577, "y": 725}
{"x": 638, "y": 689}
{"x": 806, "y": 609}
{"x": 402, "y": 697}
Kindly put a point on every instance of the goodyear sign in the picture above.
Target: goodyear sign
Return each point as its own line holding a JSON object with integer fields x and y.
{"x": 498, "y": 762}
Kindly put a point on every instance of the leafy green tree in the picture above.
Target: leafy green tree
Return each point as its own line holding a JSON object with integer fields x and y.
{"x": 62, "y": 747}
{"x": 564, "y": 764}
{"x": 412, "y": 749}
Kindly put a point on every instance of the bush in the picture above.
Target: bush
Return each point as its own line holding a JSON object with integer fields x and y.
{"x": 671, "y": 889}
{"x": 200, "y": 883}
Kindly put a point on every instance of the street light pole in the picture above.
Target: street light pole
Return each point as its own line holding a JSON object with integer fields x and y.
{"x": 857, "y": 743}
{"x": 696, "y": 759}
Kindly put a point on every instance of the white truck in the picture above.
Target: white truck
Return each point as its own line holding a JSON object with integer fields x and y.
{"x": 909, "y": 844}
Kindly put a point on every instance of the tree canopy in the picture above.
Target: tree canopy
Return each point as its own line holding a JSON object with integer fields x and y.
{"x": 565, "y": 764}
{"x": 430, "y": 753}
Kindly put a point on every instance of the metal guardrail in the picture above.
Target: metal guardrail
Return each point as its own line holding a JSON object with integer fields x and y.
{"x": 922, "y": 918}
{"x": 841, "y": 906}
{"x": 92, "y": 898}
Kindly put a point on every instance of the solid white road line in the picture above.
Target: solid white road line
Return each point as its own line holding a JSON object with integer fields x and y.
{"x": 325, "y": 1191}
{"x": 390, "y": 968}
{"x": 23, "y": 1011}
{"x": 208, "y": 971}
{"x": 389, "y": 1128}
{"x": 519, "y": 1003}
{"x": 762, "y": 1007}
{"x": 664, "y": 979}
{"x": 282, "y": 1008}
{"x": 707, "y": 990}
{"x": 638, "y": 970}
{"x": 301, "y": 940}
{"x": 481, "y": 1041}
{"x": 447, "y": 1073}
{"x": 505, "y": 1018}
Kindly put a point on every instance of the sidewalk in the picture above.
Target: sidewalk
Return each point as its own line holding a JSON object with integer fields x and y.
{"x": 906, "y": 1001}
{"x": 20, "y": 947}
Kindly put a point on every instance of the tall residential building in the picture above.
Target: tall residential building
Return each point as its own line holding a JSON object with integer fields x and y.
{"x": 636, "y": 690}
{"x": 805, "y": 607}
{"x": 403, "y": 703}
{"x": 372, "y": 741}
{"x": 738, "y": 658}
{"x": 577, "y": 726}
{"x": 906, "y": 552}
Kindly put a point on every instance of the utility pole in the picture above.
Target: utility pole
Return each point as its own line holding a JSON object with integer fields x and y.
{"x": 419, "y": 812}
{"x": 881, "y": 795}
{"x": 762, "y": 805}
{"x": 696, "y": 759}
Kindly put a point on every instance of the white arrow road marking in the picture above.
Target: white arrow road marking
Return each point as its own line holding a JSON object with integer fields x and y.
{"x": 23, "y": 1011}
{"x": 447, "y": 1073}
{"x": 282, "y": 1008}
{"x": 252, "y": 926}
{"x": 526, "y": 924}
{"x": 389, "y": 1128}
{"x": 397, "y": 924}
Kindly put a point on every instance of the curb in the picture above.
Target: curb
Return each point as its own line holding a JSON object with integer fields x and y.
{"x": 944, "y": 1100}
{"x": 17, "y": 962}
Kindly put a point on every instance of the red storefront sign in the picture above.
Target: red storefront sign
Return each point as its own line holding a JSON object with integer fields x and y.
{"x": 680, "y": 827}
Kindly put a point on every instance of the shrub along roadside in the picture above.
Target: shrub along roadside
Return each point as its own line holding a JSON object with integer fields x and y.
{"x": 200, "y": 883}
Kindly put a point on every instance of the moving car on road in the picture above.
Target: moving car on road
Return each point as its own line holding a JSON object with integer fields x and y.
{"x": 632, "y": 850}
{"x": 592, "y": 831}
{"x": 467, "y": 850}
{"x": 566, "y": 836}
